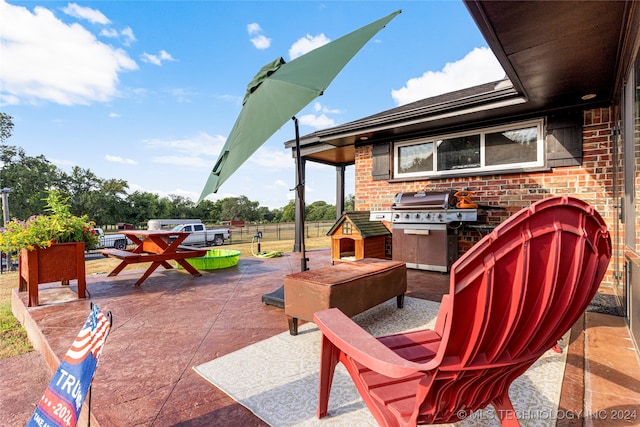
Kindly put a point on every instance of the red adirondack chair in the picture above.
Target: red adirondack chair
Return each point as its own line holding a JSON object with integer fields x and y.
{"x": 513, "y": 295}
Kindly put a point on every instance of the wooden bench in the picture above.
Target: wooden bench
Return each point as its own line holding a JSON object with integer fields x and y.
{"x": 352, "y": 287}
{"x": 116, "y": 253}
{"x": 201, "y": 252}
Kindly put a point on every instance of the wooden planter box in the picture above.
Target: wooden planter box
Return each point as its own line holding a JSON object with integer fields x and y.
{"x": 60, "y": 262}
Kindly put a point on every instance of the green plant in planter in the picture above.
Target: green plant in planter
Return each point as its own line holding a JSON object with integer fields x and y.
{"x": 41, "y": 231}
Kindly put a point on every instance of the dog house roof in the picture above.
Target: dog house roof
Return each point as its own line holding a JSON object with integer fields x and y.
{"x": 361, "y": 222}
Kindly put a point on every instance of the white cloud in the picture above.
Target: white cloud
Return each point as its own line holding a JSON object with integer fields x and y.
{"x": 269, "y": 159}
{"x": 118, "y": 159}
{"x": 307, "y": 44}
{"x": 158, "y": 59}
{"x": 126, "y": 34}
{"x": 179, "y": 192}
{"x": 109, "y": 32}
{"x": 182, "y": 95}
{"x": 477, "y": 67}
{"x": 92, "y": 15}
{"x": 202, "y": 144}
{"x": 316, "y": 121}
{"x": 192, "y": 162}
{"x": 136, "y": 187}
{"x": 235, "y": 99}
{"x": 278, "y": 183}
{"x": 317, "y": 107}
{"x": 319, "y": 120}
{"x": 61, "y": 163}
{"x": 79, "y": 68}
{"x": 114, "y": 115}
{"x": 259, "y": 40}
{"x": 254, "y": 28}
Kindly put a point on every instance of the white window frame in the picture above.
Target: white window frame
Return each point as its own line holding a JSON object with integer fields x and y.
{"x": 483, "y": 168}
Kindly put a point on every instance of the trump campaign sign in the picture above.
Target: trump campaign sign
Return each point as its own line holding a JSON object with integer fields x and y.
{"x": 62, "y": 400}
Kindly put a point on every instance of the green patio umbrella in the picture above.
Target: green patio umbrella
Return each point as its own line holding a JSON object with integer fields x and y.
{"x": 278, "y": 92}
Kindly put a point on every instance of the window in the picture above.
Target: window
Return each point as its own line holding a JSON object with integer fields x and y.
{"x": 500, "y": 148}
{"x": 459, "y": 153}
{"x": 512, "y": 146}
{"x": 415, "y": 158}
{"x": 346, "y": 228}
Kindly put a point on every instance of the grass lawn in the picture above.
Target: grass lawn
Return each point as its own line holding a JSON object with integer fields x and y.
{"x": 13, "y": 338}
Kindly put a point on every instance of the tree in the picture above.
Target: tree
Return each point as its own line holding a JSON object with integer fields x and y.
{"x": 81, "y": 187}
{"x": 112, "y": 206}
{"x": 289, "y": 212}
{"x": 208, "y": 211}
{"x": 239, "y": 208}
{"x": 277, "y": 215}
{"x": 29, "y": 179}
{"x": 6, "y": 127}
{"x": 318, "y": 211}
{"x": 142, "y": 207}
{"x": 265, "y": 214}
{"x": 179, "y": 206}
{"x": 350, "y": 203}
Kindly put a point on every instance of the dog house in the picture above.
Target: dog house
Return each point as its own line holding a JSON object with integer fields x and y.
{"x": 355, "y": 237}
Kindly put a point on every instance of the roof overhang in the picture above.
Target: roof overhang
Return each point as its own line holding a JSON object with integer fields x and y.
{"x": 557, "y": 55}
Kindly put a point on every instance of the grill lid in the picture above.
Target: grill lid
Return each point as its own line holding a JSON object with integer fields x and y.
{"x": 425, "y": 200}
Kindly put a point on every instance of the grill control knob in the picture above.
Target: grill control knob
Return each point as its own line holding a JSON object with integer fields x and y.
{"x": 459, "y": 214}
{"x": 396, "y": 216}
{"x": 406, "y": 216}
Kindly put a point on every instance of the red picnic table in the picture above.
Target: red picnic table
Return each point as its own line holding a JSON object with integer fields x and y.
{"x": 157, "y": 247}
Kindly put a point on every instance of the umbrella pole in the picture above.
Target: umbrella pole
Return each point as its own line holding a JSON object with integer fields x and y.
{"x": 276, "y": 298}
{"x": 301, "y": 202}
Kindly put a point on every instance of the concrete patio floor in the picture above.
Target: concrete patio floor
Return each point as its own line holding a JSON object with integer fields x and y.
{"x": 174, "y": 322}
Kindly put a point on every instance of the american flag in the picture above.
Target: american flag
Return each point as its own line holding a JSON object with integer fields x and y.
{"x": 62, "y": 400}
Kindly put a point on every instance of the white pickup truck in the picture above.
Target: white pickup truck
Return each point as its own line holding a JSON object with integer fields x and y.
{"x": 116, "y": 241}
{"x": 200, "y": 236}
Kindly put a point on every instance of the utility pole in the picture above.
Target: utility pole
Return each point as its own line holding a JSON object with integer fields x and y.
{"x": 5, "y": 216}
{"x": 5, "y": 204}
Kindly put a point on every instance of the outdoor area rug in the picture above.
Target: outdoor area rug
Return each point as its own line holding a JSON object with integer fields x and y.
{"x": 277, "y": 379}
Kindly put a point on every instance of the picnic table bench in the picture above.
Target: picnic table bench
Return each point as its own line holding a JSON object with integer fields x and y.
{"x": 117, "y": 253}
{"x": 157, "y": 247}
{"x": 121, "y": 254}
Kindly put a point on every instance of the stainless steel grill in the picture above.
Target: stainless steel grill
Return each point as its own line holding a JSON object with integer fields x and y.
{"x": 437, "y": 207}
{"x": 424, "y": 235}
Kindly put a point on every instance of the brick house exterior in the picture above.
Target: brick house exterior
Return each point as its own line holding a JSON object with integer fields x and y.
{"x": 591, "y": 181}
{"x": 576, "y": 71}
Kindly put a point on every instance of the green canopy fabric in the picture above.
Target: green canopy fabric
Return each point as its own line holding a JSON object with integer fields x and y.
{"x": 278, "y": 92}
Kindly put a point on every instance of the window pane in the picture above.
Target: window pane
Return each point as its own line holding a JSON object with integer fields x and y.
{"x": 459, "y": 153}
{"x": 512, "y": 146}
{"x": 415, "y": 158}
{"x": 346, "y": 227}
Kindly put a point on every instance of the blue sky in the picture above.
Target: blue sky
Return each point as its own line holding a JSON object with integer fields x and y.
{"x": 147, "y": 91}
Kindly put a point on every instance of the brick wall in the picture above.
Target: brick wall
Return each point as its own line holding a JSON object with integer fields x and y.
{"x": 591, "y": 182}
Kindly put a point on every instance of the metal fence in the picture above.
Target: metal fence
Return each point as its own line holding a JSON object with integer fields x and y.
{"x": 278, "y": 231}
{"x": 270, "y": 232}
